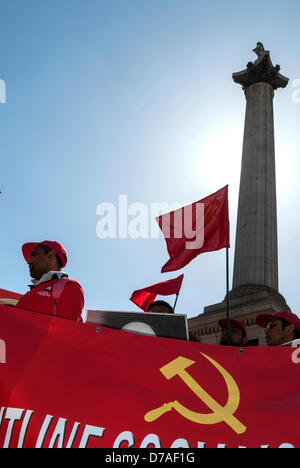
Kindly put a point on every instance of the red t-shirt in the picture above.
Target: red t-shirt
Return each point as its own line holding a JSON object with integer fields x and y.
{"x": 40, "y": 299}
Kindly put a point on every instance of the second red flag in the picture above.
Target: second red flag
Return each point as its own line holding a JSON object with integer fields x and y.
{"x": 143, "y": 297}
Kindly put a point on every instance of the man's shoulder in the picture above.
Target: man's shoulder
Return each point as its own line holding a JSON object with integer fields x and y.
{"x": 72, "y": 282}
{"x": 64, "y": 280}
{"x": 60, "y": 286}
{"x": 72, "y": 285}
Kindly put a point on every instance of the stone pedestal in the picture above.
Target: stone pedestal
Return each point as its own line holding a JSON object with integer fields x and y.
{"x": 245, "y": 304}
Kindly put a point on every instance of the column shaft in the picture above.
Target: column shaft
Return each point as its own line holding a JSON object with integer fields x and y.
{"x": 256, "y": 251}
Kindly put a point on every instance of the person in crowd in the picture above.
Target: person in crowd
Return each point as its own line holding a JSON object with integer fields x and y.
{"x": 164, "y": 308}
{"x": 280, "y": 327}
{"x": 238, "y": 333}
{"x": 161, "y": 307}
{"x": 51, "y": 292}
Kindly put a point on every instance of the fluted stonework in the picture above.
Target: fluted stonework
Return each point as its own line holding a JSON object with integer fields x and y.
{"x": 256, "y": 260}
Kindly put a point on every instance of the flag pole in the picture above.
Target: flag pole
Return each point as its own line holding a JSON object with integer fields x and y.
{"x": 227, "y": 298}
{"x": 175, "y": 302}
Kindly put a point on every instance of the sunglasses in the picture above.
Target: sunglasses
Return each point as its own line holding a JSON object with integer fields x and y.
{"x": 269, "y": 325}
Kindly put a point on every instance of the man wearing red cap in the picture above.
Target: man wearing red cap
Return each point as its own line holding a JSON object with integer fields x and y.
{"x": 238, "y": 333}
{"x": 280, "y": 328}
{"x": 52, "y": 292}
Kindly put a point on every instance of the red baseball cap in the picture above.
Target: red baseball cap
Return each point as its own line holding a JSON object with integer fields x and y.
{"x": 237, "y": 323}
{"x": 28, "y": 248}
{"x": 263, "y": 319}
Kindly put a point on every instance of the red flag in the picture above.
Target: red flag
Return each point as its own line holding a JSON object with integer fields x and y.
{"x": 143, "y": 297}
{"x": 194, "y": 229}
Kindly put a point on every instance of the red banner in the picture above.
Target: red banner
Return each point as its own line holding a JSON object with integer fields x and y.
{"x": 4, "y": 294}
{"x": 67, "y": 384}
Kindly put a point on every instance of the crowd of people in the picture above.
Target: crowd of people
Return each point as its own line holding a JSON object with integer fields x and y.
{"x": 53, "y": 293}
{"x": 280, "y": 327}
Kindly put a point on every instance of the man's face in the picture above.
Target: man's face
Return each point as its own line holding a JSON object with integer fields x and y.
{"x": 276, "y": 334}
{"x": 236, "y": 336}
{"x": 39, "y": 263}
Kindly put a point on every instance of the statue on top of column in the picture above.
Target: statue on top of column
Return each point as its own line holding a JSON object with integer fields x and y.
{"x": 261, "y": 71}
{"x": 259, "y": 50}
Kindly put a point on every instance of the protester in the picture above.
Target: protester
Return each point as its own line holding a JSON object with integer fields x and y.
{"x": 280, "y": 327}
{"x": 163, "y": 307}
{"x": 52, "y": 292}
{"x": 238, "y": 333}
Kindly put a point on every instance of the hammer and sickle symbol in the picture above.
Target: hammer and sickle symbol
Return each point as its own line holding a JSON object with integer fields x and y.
{"x": 219, "y": 413}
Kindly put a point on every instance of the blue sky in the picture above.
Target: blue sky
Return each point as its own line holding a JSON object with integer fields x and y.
{"x": 136, "y": 97}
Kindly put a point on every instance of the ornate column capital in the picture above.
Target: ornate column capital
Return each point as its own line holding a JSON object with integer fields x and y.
{"x": 261, "y": 71}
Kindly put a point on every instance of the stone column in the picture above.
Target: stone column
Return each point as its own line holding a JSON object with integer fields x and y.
{"x": 256, "y": 257}
{"x": 256, "y": 260}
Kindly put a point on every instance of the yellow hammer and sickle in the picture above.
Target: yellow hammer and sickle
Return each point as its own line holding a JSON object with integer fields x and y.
{"x": 212, "y": 211}
{"x": 219, "y": 413}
